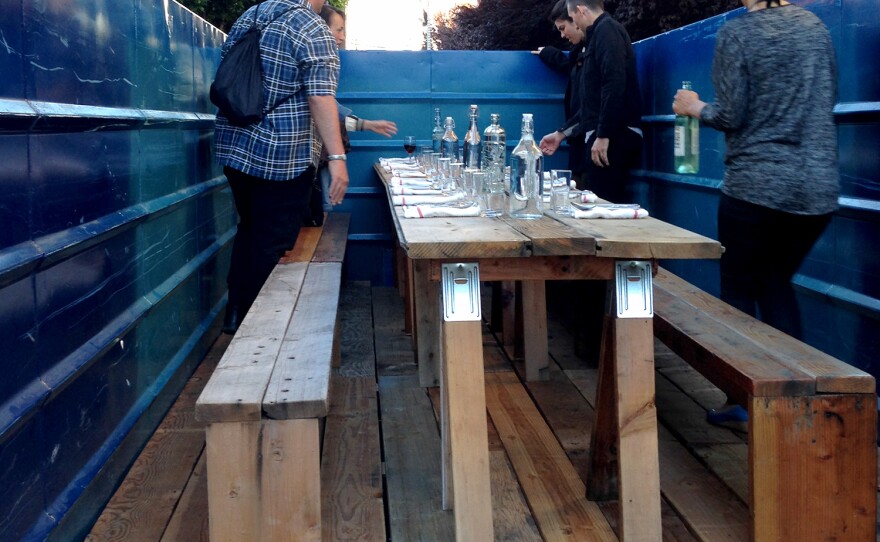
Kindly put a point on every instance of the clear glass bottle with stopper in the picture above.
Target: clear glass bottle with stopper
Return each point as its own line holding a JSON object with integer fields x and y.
{"x": 526, "y": 175}
{"x": 473, "y": 148}
{"x": 449, "y": 143}
{"x": 437, "y": 132}
{"x": 687, "y": 141}
{"x": 494, "y": 148}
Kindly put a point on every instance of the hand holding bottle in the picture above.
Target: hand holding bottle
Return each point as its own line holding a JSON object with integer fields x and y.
{"x": 687, "y": 102}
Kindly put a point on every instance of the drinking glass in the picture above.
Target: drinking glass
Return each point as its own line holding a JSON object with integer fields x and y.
{"x": 560, "y": 186}
{"x": 456, "y": 177}
{"x": 442, "y": 174}
{"x": 409, "y": 145}
{"x": 491, "y": 194}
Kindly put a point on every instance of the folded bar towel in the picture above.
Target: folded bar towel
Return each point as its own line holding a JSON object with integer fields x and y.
{"x": 425, "y": 200}
{"x": 605, "y": 212}
{"x": 410, "y": 182}
{"x": 402, "y": 190}
{"x": 427, "y": 211}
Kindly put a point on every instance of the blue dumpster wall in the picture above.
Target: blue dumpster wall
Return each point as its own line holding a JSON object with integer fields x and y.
{"x": 114, "y": 234}
{"x": 406, "y": 87}
{"x": 839, "y": 284}
{"x": 115, "y": 224}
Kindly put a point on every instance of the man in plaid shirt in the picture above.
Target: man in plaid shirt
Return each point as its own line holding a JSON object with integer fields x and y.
{"x": 271, "y": 164}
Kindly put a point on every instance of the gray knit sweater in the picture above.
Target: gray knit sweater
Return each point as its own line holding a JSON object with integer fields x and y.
{"x": 775, "y": 81}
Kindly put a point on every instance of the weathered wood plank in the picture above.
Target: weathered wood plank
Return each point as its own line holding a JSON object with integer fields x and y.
{"x": 394, "y": 350}
{"x": 537, "y": 268}
{"x": 553, "y": 489}
{"x": 141, "y": 508}
{"x": 334, "y": 238}
{"x": 357, "y": 356}
{"x": 351, "y": 464}
{"x": 468, "y": 440}
{"x": 304, "y": 249}
{"x": 300, "y": 381}
{"x": 412, "y": 462}
{"x": 535, "y": 349}
{"x": 426, "y": 294}
{"x": 831, "y": 374}
{"x": 729, "y": 360}
{"x": 796, "y": 494}
{"x": 233, "y": 454}
{"x": 290, "y": 481}
{"x": 190, "y": 519}
{"x": 235, "y": 390}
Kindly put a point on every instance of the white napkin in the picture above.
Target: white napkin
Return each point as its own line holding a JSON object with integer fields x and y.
{"x": 408, "y": 173}
{"x": 585, "y": 196}
{"x": 427, "y": 211}
{"x": 401, "y": 190}
{"x": 425, "y": 200}
{"x": 410, "y": 182}
{"x": 606, "y": 212}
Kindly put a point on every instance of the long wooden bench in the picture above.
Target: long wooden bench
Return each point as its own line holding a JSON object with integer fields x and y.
{"x": 266, "y": 401}
{"x": 812, "y": 429}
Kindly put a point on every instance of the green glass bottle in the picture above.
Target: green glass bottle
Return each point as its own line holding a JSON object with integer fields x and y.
{"x": 687, "y": 141}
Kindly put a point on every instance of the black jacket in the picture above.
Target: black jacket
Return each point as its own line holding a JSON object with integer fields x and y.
{"x": 570, "y": 64}
{"x": 610, "y": 99}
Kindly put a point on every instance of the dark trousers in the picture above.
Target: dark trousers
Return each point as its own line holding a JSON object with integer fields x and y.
{"x": 270, "y": 214}
{"x": 609, "y": 182}
{"x": 763, "y": 250}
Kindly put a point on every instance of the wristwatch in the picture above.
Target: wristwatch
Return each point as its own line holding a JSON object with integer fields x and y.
{"x": 331, "y": 157}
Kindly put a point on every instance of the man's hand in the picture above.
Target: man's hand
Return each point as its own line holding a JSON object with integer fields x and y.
{"x": 599, "y": 152}
{"x": 386, "y": 128}
{"x": 338, "y": 181}
{"x": 550, "y": 143}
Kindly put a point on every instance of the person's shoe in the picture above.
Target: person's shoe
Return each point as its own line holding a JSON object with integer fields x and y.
{"x": 232, "y": 320}
{"x": 732, "y": 417}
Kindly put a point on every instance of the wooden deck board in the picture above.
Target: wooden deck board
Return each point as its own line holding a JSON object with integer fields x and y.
{"x": 703, "y": 477}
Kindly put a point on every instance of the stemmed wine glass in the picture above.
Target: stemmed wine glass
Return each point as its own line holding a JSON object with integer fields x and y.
{"x": 409, "y": 145}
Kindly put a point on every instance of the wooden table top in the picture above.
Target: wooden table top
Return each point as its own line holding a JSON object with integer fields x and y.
{"x": 551, "y": 235}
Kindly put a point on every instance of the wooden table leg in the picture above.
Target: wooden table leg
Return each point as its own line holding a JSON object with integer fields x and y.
{"x": 638, "y": 454}
{"x": 508, "y": 316}
{"x": 426, "y": 295}
{"x": 535, "y": 347}
{"x": 408, "y": 297}
{"x": 468, "y": 435}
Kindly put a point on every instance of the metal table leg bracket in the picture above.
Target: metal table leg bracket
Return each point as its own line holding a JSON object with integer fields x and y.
{"x": 460, "y": 283}
{"x": 635, "y": 297}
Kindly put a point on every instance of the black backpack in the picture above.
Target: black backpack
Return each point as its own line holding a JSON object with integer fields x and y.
{"x": 237, "y": 89}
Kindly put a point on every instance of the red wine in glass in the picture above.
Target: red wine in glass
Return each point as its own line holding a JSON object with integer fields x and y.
{"x": 409, "y": 145}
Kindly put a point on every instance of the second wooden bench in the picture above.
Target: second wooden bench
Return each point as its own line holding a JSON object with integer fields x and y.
{"x": 812, "y": 418}
{"x": 267, "y": 399}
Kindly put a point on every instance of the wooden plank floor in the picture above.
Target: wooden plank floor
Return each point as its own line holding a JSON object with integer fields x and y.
{"x": 381, "y": 459}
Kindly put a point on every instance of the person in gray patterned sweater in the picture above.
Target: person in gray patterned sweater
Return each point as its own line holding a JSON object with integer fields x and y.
{"x": 775, "y": 79}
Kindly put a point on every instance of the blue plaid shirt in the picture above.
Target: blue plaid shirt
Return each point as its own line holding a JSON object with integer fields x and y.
{"x": 299, "y": 59}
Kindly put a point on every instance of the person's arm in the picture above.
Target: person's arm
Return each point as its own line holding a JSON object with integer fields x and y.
{"x": 386, "y": 128}
{"x": 325, "y": 114}
{"x": 554, "y": 58}
{"x": 611, "y": 49}
{"x": 731, "y": 81}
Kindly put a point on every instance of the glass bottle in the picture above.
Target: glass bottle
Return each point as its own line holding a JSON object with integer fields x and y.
{"x": 494, "y": 148}
{"x": 473, "y": 147}
{"x": 437, "y": 133}
{"x": 449, "y": 142}
{"x": 526, "y": 174}
{"x": 687, "y": 141}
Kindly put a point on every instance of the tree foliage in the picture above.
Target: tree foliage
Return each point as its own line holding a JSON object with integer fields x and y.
{"x": 222, "y": 13}
{"x": 521, "y": 25}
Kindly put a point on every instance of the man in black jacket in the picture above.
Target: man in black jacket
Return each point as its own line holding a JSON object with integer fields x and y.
{"x": 611, "y": 105}
{"x": 569, "y": 64}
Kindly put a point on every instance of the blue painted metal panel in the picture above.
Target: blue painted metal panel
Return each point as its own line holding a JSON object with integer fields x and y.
{"x": 114, "y": 247}
{"x": 11, "y": 57}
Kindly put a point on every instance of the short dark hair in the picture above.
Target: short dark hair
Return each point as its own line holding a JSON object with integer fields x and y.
{"x": 594, "y": 5}
{"x": 327, "y": 11}
{"x": 560, "y": 12}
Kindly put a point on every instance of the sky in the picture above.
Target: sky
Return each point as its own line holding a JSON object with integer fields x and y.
{"x": 393, "y": 25}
